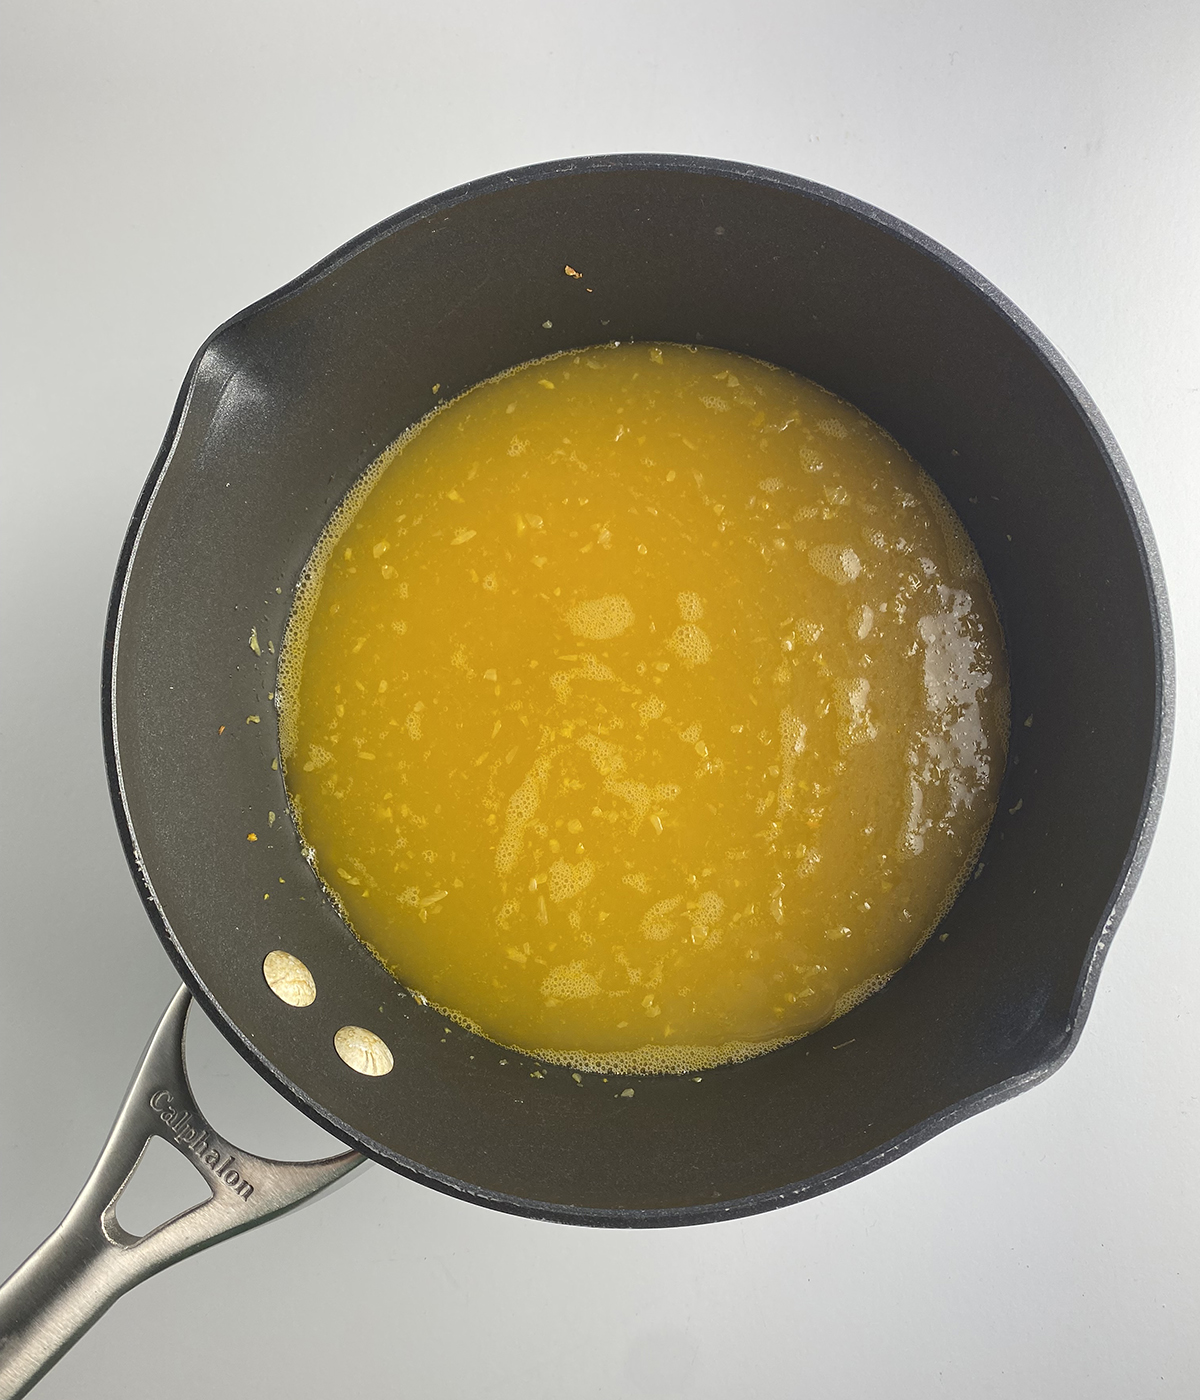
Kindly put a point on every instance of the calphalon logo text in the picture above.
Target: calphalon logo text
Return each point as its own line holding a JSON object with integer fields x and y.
{"x": 192, "y": 1134}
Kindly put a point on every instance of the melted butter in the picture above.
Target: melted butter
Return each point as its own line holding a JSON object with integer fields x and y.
{"x": 644, "y": 708}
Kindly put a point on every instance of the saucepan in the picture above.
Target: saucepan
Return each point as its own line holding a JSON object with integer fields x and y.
{"x": 284, "y": 407}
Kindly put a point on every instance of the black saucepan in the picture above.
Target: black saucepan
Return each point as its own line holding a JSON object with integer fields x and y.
{"x": 288, "y": 402}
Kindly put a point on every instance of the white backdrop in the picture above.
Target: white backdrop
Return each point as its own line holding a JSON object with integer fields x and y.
{"x": 165, "y": 164}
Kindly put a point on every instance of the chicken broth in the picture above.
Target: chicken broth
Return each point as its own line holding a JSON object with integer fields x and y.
{"x": 644, "y": 708}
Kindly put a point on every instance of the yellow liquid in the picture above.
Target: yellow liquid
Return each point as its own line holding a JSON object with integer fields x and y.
{"x": 644, "y": 708}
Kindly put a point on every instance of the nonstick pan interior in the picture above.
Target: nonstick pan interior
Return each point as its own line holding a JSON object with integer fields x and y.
{"x": 291, "y": 400}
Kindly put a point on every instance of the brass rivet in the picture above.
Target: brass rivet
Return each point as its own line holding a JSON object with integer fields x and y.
{"x": 289, "y": 979}
{"x": 363, "y": 1050}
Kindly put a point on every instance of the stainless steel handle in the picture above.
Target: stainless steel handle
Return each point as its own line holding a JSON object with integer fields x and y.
{"x": 89, "y": 1261}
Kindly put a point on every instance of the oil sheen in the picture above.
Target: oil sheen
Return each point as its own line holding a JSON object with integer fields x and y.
{"x": 644, "y": 708}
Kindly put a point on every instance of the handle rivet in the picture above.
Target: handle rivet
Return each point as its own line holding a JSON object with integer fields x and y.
{"x": 363, "y": 1050}
{"x": 289, "y": 979}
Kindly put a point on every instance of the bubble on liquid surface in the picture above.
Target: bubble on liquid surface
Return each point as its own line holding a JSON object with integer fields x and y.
{"x": 690, "y": 644}
{"x": 840, "y": 564}
{"x": 657, "y": 922}
{"x": 709, "y": 908}
{"x": 861, "y": 622}
{"x": 650, "y": 708}
{"x": 567, "y": 880}
{"x": 570, "y": 982}
{"x": 600, "y": 619}
{"x": 854, "y": 715}
{"x": 834, "y": 428}
{"x": 691, "y": 606}
{"x": 521, "y": 810}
